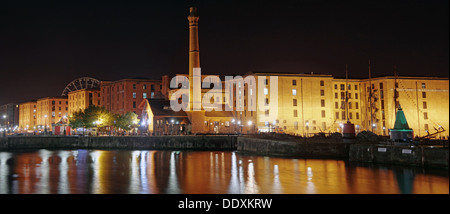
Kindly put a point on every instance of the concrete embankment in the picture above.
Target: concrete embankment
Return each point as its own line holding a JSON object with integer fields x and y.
{"x": 218, "y": 142}
{"x": 310, "y": 148}
{"x": 426, "y": 156}
{"x": 403, "y": 155}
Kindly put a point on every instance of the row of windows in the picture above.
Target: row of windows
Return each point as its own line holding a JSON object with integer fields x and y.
{"x": 350, "y": 105}
{"x": 349, "y": 87}
{"x": 294, "y": 82}
{"x": 144, "y": 95}
{"x": 343, "y": 114}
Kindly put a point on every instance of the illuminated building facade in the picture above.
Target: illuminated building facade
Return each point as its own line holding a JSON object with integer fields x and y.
{"x": 125, "y": 95}
{"x": 309, "y": 104}
{"x": 50, "y": 110}
{"x": 27, "y": 115}
{"x": 81, "y": 99}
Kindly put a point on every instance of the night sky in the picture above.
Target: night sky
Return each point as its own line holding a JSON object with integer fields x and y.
{"x": 43, "y": 47}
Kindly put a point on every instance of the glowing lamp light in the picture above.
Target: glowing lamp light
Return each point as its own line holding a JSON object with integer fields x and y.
{"x": 250, "y": 123}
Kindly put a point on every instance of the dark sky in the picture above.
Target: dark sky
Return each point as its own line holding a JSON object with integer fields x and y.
{"x": 43, "y": 46}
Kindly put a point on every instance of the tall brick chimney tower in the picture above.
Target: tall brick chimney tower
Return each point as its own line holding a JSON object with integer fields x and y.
{"x": 194, "y": 51}
{"x": 196, "y": 114}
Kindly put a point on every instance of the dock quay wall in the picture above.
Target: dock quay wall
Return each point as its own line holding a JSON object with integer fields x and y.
{"x": 214, "y": 142}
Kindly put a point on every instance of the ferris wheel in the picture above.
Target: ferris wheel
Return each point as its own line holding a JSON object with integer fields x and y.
{"x": 81, "y": 83}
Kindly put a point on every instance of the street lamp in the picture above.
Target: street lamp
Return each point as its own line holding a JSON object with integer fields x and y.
{"x": 307, "y": 128}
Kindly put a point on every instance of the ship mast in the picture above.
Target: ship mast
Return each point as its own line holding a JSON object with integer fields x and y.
{"x": 395, "y": 89}
{"x": 346, "y": 91}
{"x": 370, "y": 97}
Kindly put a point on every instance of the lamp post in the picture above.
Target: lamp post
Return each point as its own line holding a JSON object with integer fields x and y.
{"x": 45, "y": 125}
{"x": 307, "y": 129}
{"x": 4, "y": 130}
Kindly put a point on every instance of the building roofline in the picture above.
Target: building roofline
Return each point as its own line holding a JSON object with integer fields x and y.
{"x": 56, "y": 97}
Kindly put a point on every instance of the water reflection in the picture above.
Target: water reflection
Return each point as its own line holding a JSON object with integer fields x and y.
{"x": 173, "y": 172}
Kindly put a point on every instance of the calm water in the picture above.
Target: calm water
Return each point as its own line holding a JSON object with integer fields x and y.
{"x": 189, "y": 172}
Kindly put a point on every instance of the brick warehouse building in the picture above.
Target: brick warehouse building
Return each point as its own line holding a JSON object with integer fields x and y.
{"x": 125, "y": 95}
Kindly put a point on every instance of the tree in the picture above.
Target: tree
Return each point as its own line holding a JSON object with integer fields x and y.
{"x": 76, "y": 119}
{"x": 127, "y": 121}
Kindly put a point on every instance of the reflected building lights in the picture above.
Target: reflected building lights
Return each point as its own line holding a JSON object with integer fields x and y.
{"x": 4, "y": 172}
{"x": 234, "y": 185}
{"x": 251, "y": 186}
{"x": 143, "y": 172}
{"x": 173, "y": 186}
{"x": 63, "y": 172}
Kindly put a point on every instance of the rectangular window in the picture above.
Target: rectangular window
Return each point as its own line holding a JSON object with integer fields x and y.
{"x": 295, "y": 113}
{"x": 342, "y": 87}
{"x": 144, "y": 95}
{"x": 342, "y": 95}
{"x": 356, "y": 105}
{"x": 424, "y": 94}
{"x": 324, "y": 126}
{"x": 323, "y": 113}
{"x": 335, "y": 86}
{"x": 294, "y": 92}
{"x": 357, "y": 115}
{"x": 322, "y": 103}
{"x": 336, "y": 95}
{"x": 424, "y": 105}
{"x": 294, "y": 82}
{"x": 134, "y": 94}
{"x": 350, "y": 116}
{"x": 144, "y": 86}
{"x": 425, "y": 115}
{"x": 322, "y": 92}
{"x": 152, "y": 94}
{"x": 322, "y": 83}
{"x": 426, "y": 127}
{"x": 336, "y": 105}
{"x": 152, "y": 87}
{"x": 295, "y": 125}
{"x": 349, "y": 105}
{"x": 356, "y": 95}
{"x": 134, "y": 104}
{"x": 134, "y": 87}
{"x": 343, "y": 115}
{"x": 423, "y": 85}
{"x": 267, "y": 112}
{"x": 337, "y": 115}
{"x": 266, "y": 102}
{"x": 294, "y": 102}
{"x": 266, "y": 91}
{"x": 381, "y": 85}
{"x": 356, "y": 87}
